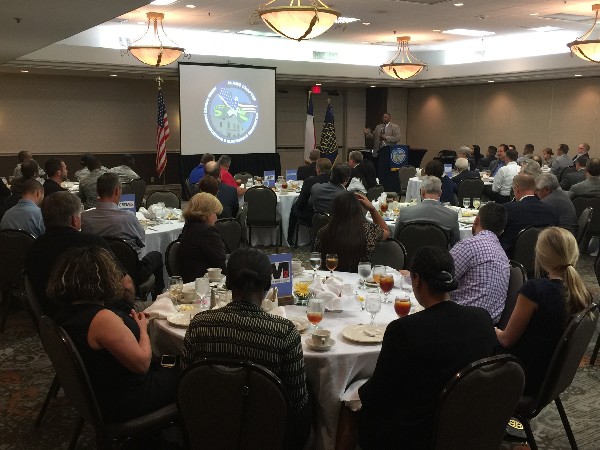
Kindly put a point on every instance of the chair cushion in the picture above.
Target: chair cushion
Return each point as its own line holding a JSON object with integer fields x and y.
{"x": 148, "y": 422}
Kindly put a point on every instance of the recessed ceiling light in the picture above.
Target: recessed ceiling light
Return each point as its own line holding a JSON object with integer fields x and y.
{"x": 24, "y": 71}
{"x": 343, "y": 19}
{"x": 364, "y": 42}
{"x": 141, "y": 23}
{"x": 190, "y": 6}
{"x": 490, "y": 81}
{"x": 467, "y": 32}
{"x": 163, "y": 2}
{"x": 113, "y": 74}
{"x": 437, "y": 31}
{"x": 534, "y": 14}
{"x": 317, "y": 84}
{"x": 578, "y": 75}
{"x": 366, "y": 23}
{"x": 373, "y": 86}
{"x": 226, "y": 31}
{"x": 459, "y": 4}
{"x": 544, "y": 29}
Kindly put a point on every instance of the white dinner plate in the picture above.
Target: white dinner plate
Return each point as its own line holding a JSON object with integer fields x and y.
{"x": 300, "y": 323}
{"x": 468, "y": 220}
{"x": 181, "y": 320}
{"x": 319, "y": 348}
{"x": 364, "y": 334}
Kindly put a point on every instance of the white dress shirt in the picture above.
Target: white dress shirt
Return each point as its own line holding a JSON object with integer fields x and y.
{"x": 503, "y": 179}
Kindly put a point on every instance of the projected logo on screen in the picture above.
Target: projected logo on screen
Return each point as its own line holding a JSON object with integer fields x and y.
{"x": 231, "y": 112}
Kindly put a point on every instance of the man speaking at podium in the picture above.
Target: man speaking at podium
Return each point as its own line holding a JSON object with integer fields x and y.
{"x": 386, "y": 133}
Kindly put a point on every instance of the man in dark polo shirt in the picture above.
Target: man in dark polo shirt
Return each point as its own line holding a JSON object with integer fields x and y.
{"x": 57, "y": 173}
{"x": 61, "y": 212}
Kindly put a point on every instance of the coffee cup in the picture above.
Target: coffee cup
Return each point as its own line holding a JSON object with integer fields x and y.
{"x": 296, "y": 265}
{"x": 320, "y": 337}
{"x": 214, "y": 273}
{"x": 189, "y": 295}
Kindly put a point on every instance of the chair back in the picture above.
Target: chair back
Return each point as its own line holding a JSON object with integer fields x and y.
{"x": 517, "y": 278}
{"x": 524, "y": 252}
{"x": 124, "y": 252}
{"x": 32, "y": 304}
{"x": 389, "y": 253}
{"x": 14, "y": 245}
{"x": 581, "y": 202}
{"x": 469, "y": 188}
{"x": 567, "y": 356}
{"x": 171, "y": 262}
{"x": 126, "y": 189}
{"x": 564, "y": 171}
{"x": 169, "y": 198}
{"x": 477, "y": 403}
{"x": 70, "y": 371}
{"x": 231, "y": 232}
{"x": 414, "y": 235}
{"x": 138, "y": 186}
{"x": 319, "y": 220}
{"x": 261, "y": 206}
{"x": 404, "y": 174}
{"x": 232, "y": 404}
{"x": 375, "y": 192}
{"x": 583, "y": 227}
{"x": 243, "y": 177}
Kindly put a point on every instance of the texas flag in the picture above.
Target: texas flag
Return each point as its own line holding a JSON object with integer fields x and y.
{"x": 310, "y": 139}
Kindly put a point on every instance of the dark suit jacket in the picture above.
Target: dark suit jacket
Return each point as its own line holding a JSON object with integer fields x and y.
{"x": 302, "y": 205}
{"x": 522, "y": 214}
{"x": 51, "y": 186}
{"x": 571, "y": 178}
{"x": 576, "y": 157}
{"x": 227, "y": 195}
{"x": 419, "y": 355}
{"x": 464, "y": 175}
{"x": 306, "y": 170}
{"x": 484, "y": 163}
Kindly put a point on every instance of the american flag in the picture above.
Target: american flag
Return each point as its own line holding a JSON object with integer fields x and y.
{"x": 162, "y": 134}
{"x": 329, "y": 146}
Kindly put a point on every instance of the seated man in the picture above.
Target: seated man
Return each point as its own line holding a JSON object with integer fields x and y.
{"x": 227, "y": 194}
{"x": 435, "y": 168}
{"x": 465, "y": 152}
{"x": 485, "y": 162}
{"x": 302, "y": 210}
{"x": 431, "y": 210}
{"x": 527, "y": 210}
{"x": 562, "y": 161}
{"x": 462, "y": 165}
{"x": 527, "y": 153}
{"x": 107, "y": 220}
{"x": 226, "y": 177}
{"x": 125, "y": 171}
{"x": 57, "y": 173}
{"x": 500, "y": 189}
{"x": 571, "y": 178}
{"x": 62, "y": 217}
{"x": 84, "y": 172}
{"x": 322, "y": 194}
{"x": 482, "y": 268}
{"x": 499, "y": 162}
{"x": 23, "y": 156}
{"x": 87, "y": 187}
{"x": 550, "y": 193}
{"x": 198, "y": 172}
{"x": 309, "y": 170}
{"x": 591, "y": 185}
{"x": 29, "y": 171}
{"x": 363, "y": 176}
{"x": 26, "y": 214}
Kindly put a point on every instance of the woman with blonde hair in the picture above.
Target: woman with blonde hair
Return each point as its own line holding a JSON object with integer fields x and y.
{"x": 544, "y": 305}
{"x": 201, "y": 244}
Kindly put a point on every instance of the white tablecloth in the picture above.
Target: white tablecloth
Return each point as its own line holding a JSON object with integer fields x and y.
{"x": 158, "y": 237}
{"x": 413, "y": 190}
{"x": 330, "y": 372}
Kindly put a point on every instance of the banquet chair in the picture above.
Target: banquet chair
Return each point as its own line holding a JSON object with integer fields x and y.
{"x": 74, "y": 379}
{"x": 559, "y": 376}
{"x": 261, "y": 210}
{"x": 14, "y": 245}
{"x": 517, "y": 278}
{"x": 583, "y": 226}
{"x": 524, "y": 251}
{"x": 228, "y": 404}
{"x": 477, "y": 403}
{"x": 231, "y": 233}
{"x": 404, "y": 174}
{"x": 580, "y": 202}
{"x": 389, "y": 253}
{"x": 597, "y": 346}
{"x": 243, "y": 176}
{"x": 374, "y": 193}
{"x": 138, "y": 186}
{"x": 414, "y": 235}
{"x": 126, "y": 189}
{"x": 469, "y": 188}
{"x": 169, "y": 198}
{"x": 319, "y": 220}
{"x": 128, "y": 258}
{"x": 171, "y": 262}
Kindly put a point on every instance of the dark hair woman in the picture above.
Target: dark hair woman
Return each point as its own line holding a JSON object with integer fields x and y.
{"x": 114, "y": 347}
{"x": 242, "y": 330}
{"x": 422, "y": 351}
{"x": 364, "y": 177}
{"x": 349, "y": 234}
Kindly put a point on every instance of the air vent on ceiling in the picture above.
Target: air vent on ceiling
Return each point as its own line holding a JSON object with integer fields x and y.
{"x": 568, "y": 17}
{"x": 325, "y": 56}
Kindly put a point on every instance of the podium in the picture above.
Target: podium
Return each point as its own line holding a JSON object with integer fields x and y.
{"x": 388, "y": 178}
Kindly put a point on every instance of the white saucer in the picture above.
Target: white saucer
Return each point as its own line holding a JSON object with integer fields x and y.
{"x": 319, "y": 348}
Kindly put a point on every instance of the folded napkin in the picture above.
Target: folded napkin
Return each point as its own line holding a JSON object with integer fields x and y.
{"x": 350, "y": 397}
{"x": 336, "y": 295}
{"x": 278, "y": 311}
{"x": 270, "y": 301}
{"x": 161, "y": 308}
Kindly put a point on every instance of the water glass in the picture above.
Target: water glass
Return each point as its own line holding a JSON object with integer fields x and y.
{"x": 315, "y": 261}
{"x": 314, "y": 311}
{"x": 202, "y": 288}
{"x": 476, "y": 203}
{"x": 373, "y": 305}
{"x": 364, "y": 270}
{"x": 466, "y": 202}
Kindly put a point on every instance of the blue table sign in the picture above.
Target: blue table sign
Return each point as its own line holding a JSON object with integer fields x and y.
{"x": 281, "y": 265}
{"x": 269, "y": 178}
{"x": 127, "y": 201}
{"x": 291, "y": 175}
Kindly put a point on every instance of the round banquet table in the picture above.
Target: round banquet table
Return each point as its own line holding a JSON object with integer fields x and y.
{"x": 158, "y": 237}
{"x": 413, "y": 189}
{"x": 328, "y": 372}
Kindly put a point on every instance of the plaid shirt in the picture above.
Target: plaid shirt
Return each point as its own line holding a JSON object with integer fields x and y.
{"x": 482, "y": 271}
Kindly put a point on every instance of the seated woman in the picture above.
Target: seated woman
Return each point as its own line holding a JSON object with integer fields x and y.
{"x": 114, "y": 346}
{"x": 435, "y": 168}
{"x": 349, "y": 233}
{"x": 363, "y": 177}
{"x": 201, "y": 244}
{"x": 419, "y": 355}
{"x": 462, "y": 166}
{"x": 544, "y": 306}
{"x": 242, "y": 330}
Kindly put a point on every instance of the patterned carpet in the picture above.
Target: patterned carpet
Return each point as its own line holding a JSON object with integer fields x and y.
{"x": 26, "y": 374}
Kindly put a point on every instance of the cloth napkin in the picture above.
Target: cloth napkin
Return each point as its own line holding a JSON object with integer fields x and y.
{"x": 161, "y": 308}
{"x": 278, "y": 311}
{"x": 270, "y": 301}
{"x": 351, "y": 398}
{"x": 336, "y": 295}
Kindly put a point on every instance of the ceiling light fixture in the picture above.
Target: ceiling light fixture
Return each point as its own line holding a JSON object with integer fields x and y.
{"x": 578, "y": 75}
{"x": 298, "y": 22}
{"x": 366, "y": 23}
{"x": 155, "y": 48}
{"x": 190, "y": 6}
{"x": 24, "y": 71}
{"x": 409, "y": 65}
{"x": 588, "y": 49}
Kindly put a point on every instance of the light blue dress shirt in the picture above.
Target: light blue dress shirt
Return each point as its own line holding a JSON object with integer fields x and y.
{"x": 25, "y": 215}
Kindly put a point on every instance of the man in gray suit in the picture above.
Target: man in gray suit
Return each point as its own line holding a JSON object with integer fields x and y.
{"x": 591, "y": 186}
{"x": 550, "y": 193}
{"x": 431, "y": 210}
{"x": 385, "y": 133}
{"x": 571, "y": 178}
{"x": 562, "y": 161}
{"x": 322, "y": 194}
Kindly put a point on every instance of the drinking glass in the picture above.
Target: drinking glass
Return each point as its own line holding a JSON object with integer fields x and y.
{"x": 377, "y": 272}
{"x": 386, "y": 283}
{"x": 284, "y": 185}
{"x": 402, "y": 304}
{"x": 331, "y": 261}
{"x": 383, "y": 206}
{"x": 315, "y": 261}
{"x": 466, "y": 202}
{"x": 476, "y": 203}
{"x": 364, "y": 270}
{"x": 202, "y": 288}
{"x": 176, "y": 289}
{"x": 314, "y": 311}
{"x": 373, "y": 306}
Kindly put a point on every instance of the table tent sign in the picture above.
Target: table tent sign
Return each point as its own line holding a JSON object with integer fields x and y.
{"x": 291, "y": 175}
{"x": 127, "y": 201}
{"x": 281, "y": 265}
{"x": 269, "y": 178}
